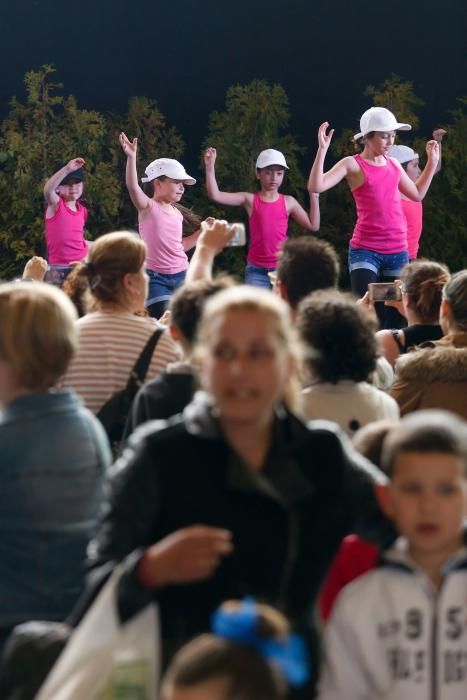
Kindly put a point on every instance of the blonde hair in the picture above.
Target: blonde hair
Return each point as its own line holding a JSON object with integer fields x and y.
{"x": 264, "y": 302}
{"x": 38, "y": 336}
{"x": 109, "y": 259}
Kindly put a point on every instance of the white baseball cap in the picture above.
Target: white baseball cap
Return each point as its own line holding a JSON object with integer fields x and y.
{"x": 379, "y": 119}
{"x": 270, "y": 157}
{"x": 403, "y": 154}
{"x": 170, "y": 168}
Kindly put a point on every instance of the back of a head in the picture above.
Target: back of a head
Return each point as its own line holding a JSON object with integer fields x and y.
{"x": 339, "y": 337}
{"x": 423, "y": 281}
{"x": 187, "y": 302}
{"x": 244, "y": 672}
{"x": 37, "y": 335}
{"x": 426, "y": 431}
{"x": 369, "y": 439}
{"x": 109, "y": 259}
{"x": 305, "y": 265}
{"x": 455, "y": 292}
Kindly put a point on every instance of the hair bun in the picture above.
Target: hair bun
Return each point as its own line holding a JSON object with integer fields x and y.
{"x": 267, "y": 631}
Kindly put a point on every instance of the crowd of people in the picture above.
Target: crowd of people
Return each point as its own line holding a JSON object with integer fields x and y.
{"x": 290, "y": 486}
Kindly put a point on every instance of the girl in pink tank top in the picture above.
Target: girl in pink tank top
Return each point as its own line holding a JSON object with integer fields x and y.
{"x": 65, "y": 216}
{"x": 413, "y": 211}
{"x": 160, "y": 223}
{"x": 268, "y": 212}
{"x": 378, "y": 248}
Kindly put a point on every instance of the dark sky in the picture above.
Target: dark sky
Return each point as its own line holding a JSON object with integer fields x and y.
{"x": 186, "y": 53}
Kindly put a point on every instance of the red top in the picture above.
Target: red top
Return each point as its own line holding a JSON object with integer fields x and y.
{"x": 354, "y": 558}
{"x": 413, "y": 212}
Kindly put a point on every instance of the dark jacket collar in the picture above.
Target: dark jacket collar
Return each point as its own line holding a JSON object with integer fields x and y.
{"x": 282, "y": 477}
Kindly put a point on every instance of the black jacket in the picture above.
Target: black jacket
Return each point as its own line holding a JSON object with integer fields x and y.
{"x": 287, "y": 522}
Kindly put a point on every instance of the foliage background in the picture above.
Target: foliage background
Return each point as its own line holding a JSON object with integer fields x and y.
{"x": 48, "y": 128}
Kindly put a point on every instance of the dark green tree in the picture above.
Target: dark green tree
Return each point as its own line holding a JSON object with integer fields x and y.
{"x": 256, "y": 117}
{"x": 398, "y": 95}
{"x": 445, "y": 207}
{"x": 47, "y": 130}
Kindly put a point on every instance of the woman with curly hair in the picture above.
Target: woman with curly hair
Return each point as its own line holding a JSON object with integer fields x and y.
{"x": 341, "y": 355}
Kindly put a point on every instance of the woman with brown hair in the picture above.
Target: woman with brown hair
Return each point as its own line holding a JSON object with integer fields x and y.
{"x": 113, "y": 334}
{"x": 422, "y": 283}
{"x": 435, "y": 375}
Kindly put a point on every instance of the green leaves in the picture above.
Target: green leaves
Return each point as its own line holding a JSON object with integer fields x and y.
{"x": 44, "y": 132}
{"x": 49, "y": 127}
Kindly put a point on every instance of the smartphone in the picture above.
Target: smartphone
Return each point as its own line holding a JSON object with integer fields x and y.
{"x": 57, "y": 274}
{"x": 384, "y": 291}
{"x": 239, "y": 237}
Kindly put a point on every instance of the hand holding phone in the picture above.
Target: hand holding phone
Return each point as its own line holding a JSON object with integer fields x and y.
{"x": 239, "y": 237}
{"x": 384, "y": 291}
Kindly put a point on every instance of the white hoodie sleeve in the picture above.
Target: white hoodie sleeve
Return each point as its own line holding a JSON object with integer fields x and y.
{"x": 343, "y": 675}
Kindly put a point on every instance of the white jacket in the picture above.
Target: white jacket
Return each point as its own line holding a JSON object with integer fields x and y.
{"x": 393, "y": 636}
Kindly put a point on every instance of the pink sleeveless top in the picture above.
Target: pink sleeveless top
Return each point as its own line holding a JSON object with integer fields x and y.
{"x": 64, "y": 234}
{"x": 381, "y": 224}
{"x": 413, "y": 212}
{"x": 268, "y": 229}
{"x": 162, "y": 233}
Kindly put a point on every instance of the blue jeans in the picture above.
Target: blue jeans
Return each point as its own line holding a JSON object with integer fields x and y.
{"x": 161, "y": 288}
{"x": 377, "y": 266}
{"x": 258, "y": 276}
{"x": 367, "y": 266}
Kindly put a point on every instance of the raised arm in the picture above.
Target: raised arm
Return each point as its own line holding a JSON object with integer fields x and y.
{"x": 319, "y": 181}
{"x": 438, "y": 135}
{"x": 130, "y": 148}
{"x": 50, "y": 187}
{"x": 235, "y": 199}
{"x": 417, "y": 190}
{"x": 309, "y": 221}
{"x": 214, "y": 236}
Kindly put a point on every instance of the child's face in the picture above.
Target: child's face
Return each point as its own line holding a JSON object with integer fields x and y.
{"x": 271, "y": 177}
{"x": 413, "y": 169}
{"x": 72, "y": 191}
{"x": 428, "y": 502}
{"x": 381, "y": 142}
{"x": 169, "y": 190}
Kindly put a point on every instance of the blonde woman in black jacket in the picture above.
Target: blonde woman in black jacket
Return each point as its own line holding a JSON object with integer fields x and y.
{"x": 236, "y": 496}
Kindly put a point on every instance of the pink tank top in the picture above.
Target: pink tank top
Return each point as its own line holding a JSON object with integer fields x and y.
{"x": 381, "y": 224}
{"x": 268, "y": 229}
{"x": 162, "y": 233}
{"x": 64, "y": 235}
{"x": 413, "y": 212}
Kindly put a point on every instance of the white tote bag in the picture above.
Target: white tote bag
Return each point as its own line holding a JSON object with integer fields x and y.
{"x": 106, "y": 660}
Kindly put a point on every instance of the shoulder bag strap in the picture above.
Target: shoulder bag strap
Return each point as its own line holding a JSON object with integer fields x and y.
{"x": 139, "y": 371}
